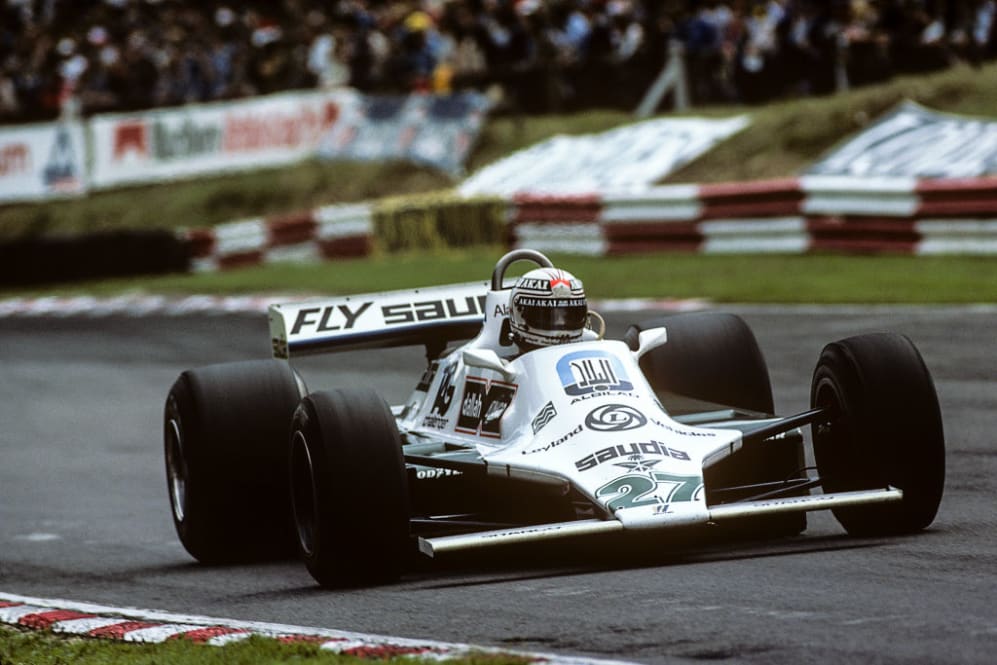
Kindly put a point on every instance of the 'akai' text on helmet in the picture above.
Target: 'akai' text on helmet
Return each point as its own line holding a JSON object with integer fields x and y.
{"x": 547, "y": 306}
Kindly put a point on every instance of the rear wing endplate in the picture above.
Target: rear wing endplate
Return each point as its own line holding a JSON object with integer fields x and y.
{"x": 430, "y": 316}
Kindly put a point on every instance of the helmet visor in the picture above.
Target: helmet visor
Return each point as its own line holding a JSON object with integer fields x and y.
{"x": 555, "y": 315}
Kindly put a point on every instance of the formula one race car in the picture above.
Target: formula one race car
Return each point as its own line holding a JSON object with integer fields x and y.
{"x": 669, "y": 427}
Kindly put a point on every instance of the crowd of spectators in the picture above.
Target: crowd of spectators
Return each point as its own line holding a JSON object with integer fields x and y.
{"x": 94, "y": 56}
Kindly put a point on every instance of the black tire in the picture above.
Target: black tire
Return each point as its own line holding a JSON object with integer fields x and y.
{"x": 710, "y": 356}
{"x": 226, "y": 429}
{"x": 714, "y": 357}
{"x": 349, "y": 489}
{"x": 885, "y": 429}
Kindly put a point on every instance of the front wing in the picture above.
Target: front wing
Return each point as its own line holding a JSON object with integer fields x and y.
{"x": 706, "y": 515}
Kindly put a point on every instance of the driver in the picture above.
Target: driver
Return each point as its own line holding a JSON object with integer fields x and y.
{"x": 547, "y": 306}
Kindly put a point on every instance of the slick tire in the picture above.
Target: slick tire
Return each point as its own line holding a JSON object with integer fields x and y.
{"x": 226, "y": 429}
{"x": 710, "y": 356}
{"x": 885, "y": 430}
{"x": 349, "y": 489}
{"x": 714, "y": 357}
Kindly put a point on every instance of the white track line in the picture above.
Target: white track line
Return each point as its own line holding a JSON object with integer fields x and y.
{"x": 141, "y": 625}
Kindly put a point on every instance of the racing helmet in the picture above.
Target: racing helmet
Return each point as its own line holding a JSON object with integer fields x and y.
{"x": 547, "y": 306}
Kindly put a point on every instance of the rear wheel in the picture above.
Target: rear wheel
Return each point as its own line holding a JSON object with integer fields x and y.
{"x": 714, "y": 357}
{"x": 885, "y": 429}
{"x": 349, "y": 489}
{"x": 225, "y": 444}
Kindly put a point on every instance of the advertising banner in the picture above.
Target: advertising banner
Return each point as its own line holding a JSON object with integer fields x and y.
{"x": 41, "y": 162}
{"x": 628, "y": 158}
{"x": 913, "y": 141}
{"x": 209, "y": 138}
{"x": 430, "y": 130}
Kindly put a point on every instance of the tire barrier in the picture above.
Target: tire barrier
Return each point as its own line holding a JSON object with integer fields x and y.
{"x": 48, "y": 260}
{"x": 795, "y": 215}
{"x": 329, "y": 232}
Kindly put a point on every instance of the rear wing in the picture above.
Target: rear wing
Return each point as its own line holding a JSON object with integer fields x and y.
{"x": 430, "y": 316}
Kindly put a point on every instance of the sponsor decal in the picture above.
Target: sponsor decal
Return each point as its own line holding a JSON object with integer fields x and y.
{"x": 15, "y": 158}
{"x": 547, "y": 413}
{"x": 614, "y": 418}
{"x": 556, "y": 284}
{"x": 684, "y": 432}
{"x": 60, "y": 171}
{"x": 188, "y": 139}
{"x": 444, "y": 397}
{"x": 345, "y": 316}
{"x": 433, "y": 473}
{"x": 614, "y": 393}
{"x": 279, "y": 347}
{"x": 196, "y": 135}
{"x": 427, "y": 377}
{"x": 500, "y": 311}
{"x": 483, "y": 405}
{"x": 326, "y": 319}
{"x": 635, "y": 490}
{"x": 555, "y": 443}
{"x": 130, "y": 138}
{"x": 433, "y": 310}
{"x": 526, "y": 301}
{"x": 427, "y": 129}
{"x": 524, "y": 531}
{"x": 634, "y": 452}
{"x": 534, "y": 284}
{"x": 591, "y": 371}
{"x": 249, "y": 131}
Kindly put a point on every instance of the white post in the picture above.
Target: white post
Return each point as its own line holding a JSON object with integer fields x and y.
{"x": 671, "y": 79}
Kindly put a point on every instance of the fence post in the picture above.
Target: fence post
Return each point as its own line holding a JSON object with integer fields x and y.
{"x": 671, "y": 79}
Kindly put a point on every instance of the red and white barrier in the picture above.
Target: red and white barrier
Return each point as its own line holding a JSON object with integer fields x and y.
{"x": 323, "y": 233}
{"x": 796, "y": 215}
{"x": 793, "y": 215}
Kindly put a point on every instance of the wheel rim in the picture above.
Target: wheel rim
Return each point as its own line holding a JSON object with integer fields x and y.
{"x": 303, "y": 496}
{"x": 832, "y": 441}
{"x": 176, "y": 469}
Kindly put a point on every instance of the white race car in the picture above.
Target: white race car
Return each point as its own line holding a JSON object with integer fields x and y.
{"x": 669, "y": 427}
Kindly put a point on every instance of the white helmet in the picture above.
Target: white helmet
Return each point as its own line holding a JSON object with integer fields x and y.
{"x": 547, "y": 306}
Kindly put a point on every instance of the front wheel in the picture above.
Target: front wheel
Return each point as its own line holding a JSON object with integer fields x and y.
{"x": 225, "y": 442}
{"x": 349, "y": 489}
{"x": 884, "y": 429}
{"x": 714, "y": 357}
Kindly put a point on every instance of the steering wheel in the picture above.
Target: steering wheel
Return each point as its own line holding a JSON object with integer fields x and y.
{"x": 498, "y": 275}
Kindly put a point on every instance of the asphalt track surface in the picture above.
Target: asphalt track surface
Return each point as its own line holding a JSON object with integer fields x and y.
{"x": 84, "y": 515}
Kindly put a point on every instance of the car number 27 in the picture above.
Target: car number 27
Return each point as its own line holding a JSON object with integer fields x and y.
{"x": 635, "y": 490}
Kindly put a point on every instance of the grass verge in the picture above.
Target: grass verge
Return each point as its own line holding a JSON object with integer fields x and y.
{"x": 23, "y": 647}
{"x": 721, "y": 278}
